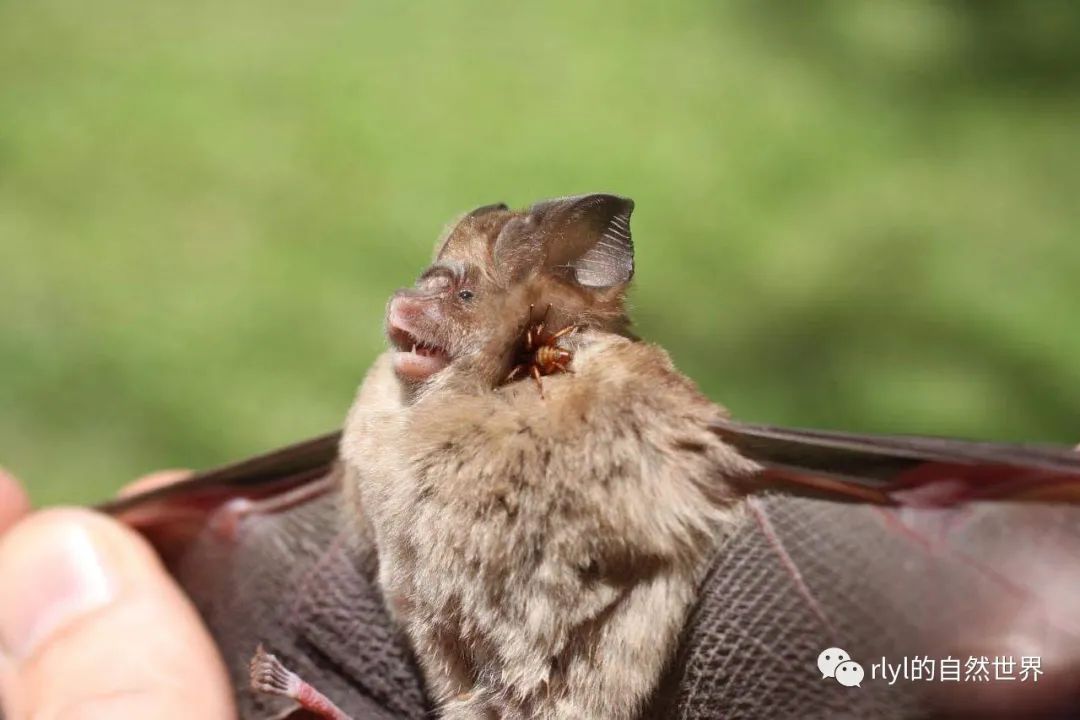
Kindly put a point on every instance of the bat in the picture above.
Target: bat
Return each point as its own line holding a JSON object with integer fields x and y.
{"x": 320, "y": 559}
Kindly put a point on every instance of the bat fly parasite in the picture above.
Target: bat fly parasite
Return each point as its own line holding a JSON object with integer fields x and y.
{"x": 540, "y": 351}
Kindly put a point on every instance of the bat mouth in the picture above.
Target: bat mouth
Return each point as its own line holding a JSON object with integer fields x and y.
{"x": 415, "y": 358}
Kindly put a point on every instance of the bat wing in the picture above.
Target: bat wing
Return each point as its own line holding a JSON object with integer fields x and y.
{"x": 842, "y": 551}
{"x": 171, "y": 516}
{"x": 262, "y": 550}
{"x": 903, "y": 469}
{"x": 927, "y": 590}
{"x": 938, "y": 565}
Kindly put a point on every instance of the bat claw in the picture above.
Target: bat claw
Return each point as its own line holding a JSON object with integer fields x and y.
{"x": 268, "y": 675}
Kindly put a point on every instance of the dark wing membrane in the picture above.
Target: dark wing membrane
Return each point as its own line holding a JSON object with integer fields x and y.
{"x": 263, "y": 550}
{"x": 170, "y": 516}
{"x": 300, "y": 581}
{"x": 930, "y": 591}
{"x": 255, "y": 477}
{"x": 795, "y": 577}
{"x": 904, "y": 469}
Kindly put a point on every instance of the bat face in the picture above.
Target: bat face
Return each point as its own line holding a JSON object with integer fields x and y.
{"x": 497, "y": 269}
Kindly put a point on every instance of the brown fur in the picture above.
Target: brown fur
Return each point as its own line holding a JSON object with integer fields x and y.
{"x": 541, "y": 554}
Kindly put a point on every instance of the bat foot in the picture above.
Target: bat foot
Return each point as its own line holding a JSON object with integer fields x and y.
{"x": 270, "y": 676}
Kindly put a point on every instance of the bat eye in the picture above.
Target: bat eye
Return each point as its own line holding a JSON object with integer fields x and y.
{"x": 465, "y": 294}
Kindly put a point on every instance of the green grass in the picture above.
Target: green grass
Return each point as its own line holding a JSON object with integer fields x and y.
{"x": 862, "y": 215}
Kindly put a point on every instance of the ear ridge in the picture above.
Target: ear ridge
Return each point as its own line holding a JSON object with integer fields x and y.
{"x": 588, "y": 237}
{"x": 610, "y": 261}
{"x": 584, "y": 237}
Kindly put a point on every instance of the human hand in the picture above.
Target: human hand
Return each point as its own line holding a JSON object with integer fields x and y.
{"x": 91, "y": 624}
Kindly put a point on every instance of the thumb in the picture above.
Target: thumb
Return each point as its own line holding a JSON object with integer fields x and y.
{"x": 91, "y": 625}
{"x": 13, "y": 501}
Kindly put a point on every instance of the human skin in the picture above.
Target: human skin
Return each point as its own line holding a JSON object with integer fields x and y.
{"x": 91, "y": 624}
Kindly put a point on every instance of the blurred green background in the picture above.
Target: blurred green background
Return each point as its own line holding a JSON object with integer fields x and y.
{"x": 858, "y": 215}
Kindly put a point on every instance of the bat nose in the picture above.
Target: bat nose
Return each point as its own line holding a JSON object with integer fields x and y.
{"x": 405, "y": 310}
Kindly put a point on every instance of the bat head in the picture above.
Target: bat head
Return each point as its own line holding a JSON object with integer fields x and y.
{"x": 471, "y": 306}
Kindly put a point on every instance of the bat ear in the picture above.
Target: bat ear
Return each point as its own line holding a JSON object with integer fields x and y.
{"x": 585, "y": 238}
{"x": 485, "y": 209}
{"x": 443, "y": 244}
{"x": 588, "y": 236}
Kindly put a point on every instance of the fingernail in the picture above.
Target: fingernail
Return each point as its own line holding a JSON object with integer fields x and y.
{"x": 51, "y": 575}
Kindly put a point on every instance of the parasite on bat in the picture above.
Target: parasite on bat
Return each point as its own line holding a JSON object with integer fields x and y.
{"x": 623, "y": 549}
{"x": 540, "y": 352}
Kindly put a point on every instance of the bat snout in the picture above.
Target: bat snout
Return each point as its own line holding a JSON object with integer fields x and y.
{"x": 407, "y": 310}
{"x": 418, "y": 356}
